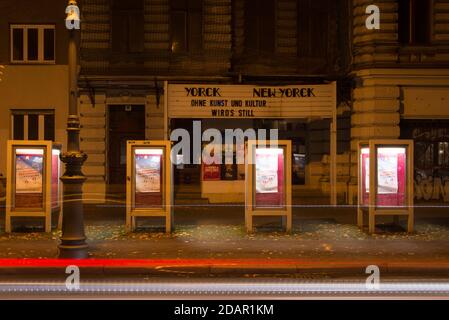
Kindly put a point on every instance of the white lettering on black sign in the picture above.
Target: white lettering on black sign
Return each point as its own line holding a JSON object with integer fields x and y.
{"x": 245, "y": 101}
{"x": 283, "y": 92}
{"x": 203, "y": 92}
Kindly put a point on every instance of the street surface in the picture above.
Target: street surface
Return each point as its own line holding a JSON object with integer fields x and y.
{"x": 325, "y": 245}
{"x": 235, "y": 288}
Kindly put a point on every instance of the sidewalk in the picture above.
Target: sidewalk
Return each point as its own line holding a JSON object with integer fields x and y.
{"x": 212, "y": 239}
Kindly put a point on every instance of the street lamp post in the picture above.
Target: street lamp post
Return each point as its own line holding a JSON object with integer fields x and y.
{"x": 73, "y": 240}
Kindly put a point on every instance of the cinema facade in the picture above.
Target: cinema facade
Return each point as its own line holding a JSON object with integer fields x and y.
{"x": 387, "y": 104}
{"x": 291, "y": 112}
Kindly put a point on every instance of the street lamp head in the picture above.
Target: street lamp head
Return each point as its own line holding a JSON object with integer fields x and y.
{"x": 72, "y": 21}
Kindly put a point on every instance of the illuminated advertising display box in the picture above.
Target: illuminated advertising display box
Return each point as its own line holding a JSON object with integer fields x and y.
{"x": 268, "y": 181}
{"x": 33, "y": 186}
{"x": 149, "y": 182}
{"x": 386, "y": 168}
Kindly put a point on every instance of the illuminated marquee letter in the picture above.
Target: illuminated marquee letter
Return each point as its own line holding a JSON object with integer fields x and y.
{"x": 373, "y": 20}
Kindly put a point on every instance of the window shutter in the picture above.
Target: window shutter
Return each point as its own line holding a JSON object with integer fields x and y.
{"x": 119, "y": 31}
{"x": 178, "y": 4}
{"x": 414, "y": 21}
{"x": 19, "y": 125}
{"x": 178, "y": 25}
{"x": 195, "y": 31}
{"x": 404, "y": 21}
{"x": 313, "y": 28}
{"x": 49, "y": 127}
{"x": 128, "y": 26}
{"x": 17, "y": 34}
{"x": 421, "y": 21}
{"x": 49, "y": 44}
{"x": 136, "y": 31}
{"x": 267, "y": 26}
{"x": 33, "y": 44}
{"x": 304, "y": 28}
{"x": 319, "y": 28}
{"x": 251, "y": 26}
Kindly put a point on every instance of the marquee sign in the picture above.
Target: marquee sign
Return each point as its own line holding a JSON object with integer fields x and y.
{"x": 248, "y": 101}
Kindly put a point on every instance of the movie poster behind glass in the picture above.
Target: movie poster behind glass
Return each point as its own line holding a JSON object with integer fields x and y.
{"x": 266, "y": 172}
{"x": 229, "y": 171}
{"x": 391, "y": 179}
{"x": 148, "y": 178}
{"x": 298, "y": 168}
{"x": 269, "y": 177}
{"x": 212, "y": 169}
{"x": 29, "y": 170}
{"x": 211, "y": 172}
{"x": 387, "y": 173}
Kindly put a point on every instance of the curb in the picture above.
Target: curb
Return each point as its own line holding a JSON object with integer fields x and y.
{"x": 202, "y": 267}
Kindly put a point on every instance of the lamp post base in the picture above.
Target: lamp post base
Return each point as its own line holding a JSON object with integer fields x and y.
{"x": 73, "y": 250}
{"x": 73, "y": 240}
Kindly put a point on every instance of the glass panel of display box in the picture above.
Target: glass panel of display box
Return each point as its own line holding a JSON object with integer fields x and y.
{"x": 390, "y": 162}
{"x": 149, "y": 182}
{"x": 33, "y": 186}
{"x": 268, "y": 181}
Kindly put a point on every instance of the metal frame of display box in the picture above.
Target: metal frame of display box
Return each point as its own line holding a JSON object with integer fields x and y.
{"x": 251, "y": 210}
{"x": 166, "y": 207}
{"x": 47, "y": 207}
{"x": 372, "y": 207}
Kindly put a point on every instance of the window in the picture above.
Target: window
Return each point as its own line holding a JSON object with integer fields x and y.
{"x": 186, "y": 25}
{"x": 443, "y": 154}
{"x": 33, "y": 43}
{"x": 414, "y": 19}
{"x": 424, "y": 155}
{"x": 431, "y": 147}
{"x": 313, "y": 24}
{"x": 33, "y": 125}
{"x": 128, "y": 26}
{"x": 260, "y": 21}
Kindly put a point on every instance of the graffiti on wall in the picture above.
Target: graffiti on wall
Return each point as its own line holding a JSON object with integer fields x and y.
{"x": 432, "y": 188}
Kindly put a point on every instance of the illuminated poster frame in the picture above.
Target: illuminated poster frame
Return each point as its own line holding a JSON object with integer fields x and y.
{"x": 33, "y": 186}
{"x": 149, "y": 182}
{"x": 268, "y": 185}
{"x": 390, "y": 162}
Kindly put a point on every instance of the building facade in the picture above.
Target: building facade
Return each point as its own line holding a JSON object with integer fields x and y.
{"x": 401, "y": 81}
{"x": 130, "y": 49}
{"x": 34, "y": 83}
{"x": 390, "y": 83}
